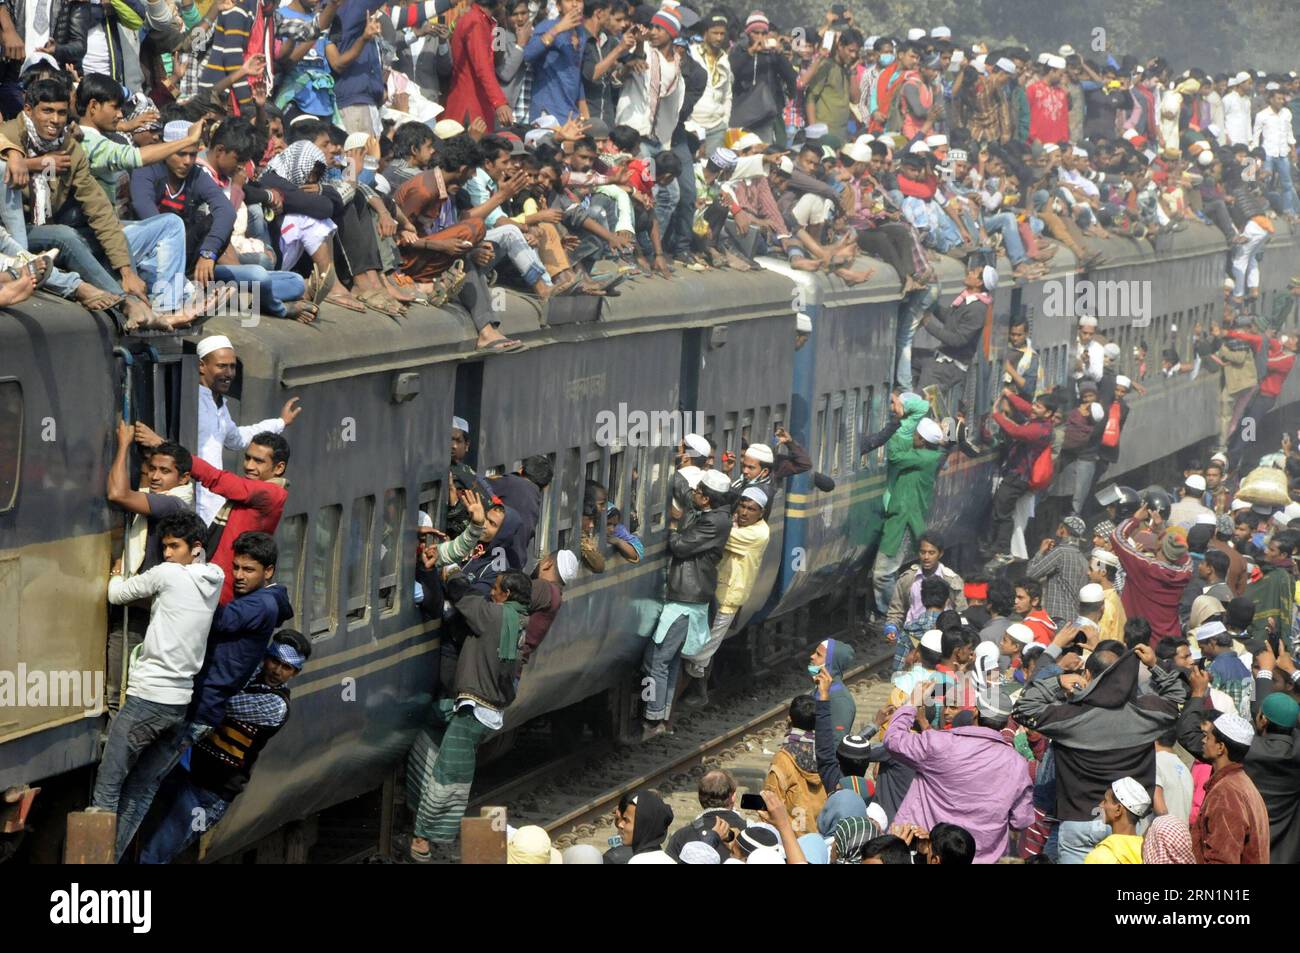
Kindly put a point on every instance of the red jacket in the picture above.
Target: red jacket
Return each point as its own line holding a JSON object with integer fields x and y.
{"x": 1028, "y": 439}
{"x": 475, "y": 92}
{"x": 255, "y": 506}
{"x": 1280, "y": 362}
{"x": 1232, "y": 826}
{"x": 1153, "y": 587}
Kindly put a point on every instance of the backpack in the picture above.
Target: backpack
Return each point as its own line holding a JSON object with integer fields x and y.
{"x": 1040, "y": 475}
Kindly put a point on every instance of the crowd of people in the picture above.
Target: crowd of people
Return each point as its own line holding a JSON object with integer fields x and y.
{"x": 377, "y": 155}
{"x": 162, "y": 158}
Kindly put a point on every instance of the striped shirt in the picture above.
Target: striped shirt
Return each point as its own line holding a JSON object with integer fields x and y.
{"x": 230, "y": 42}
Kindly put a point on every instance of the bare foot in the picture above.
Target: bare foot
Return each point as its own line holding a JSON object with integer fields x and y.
{"x": 141, "y": 317}
{"x": 304, "y": 312}
{"x": 95, "y": 299}
{"x": 855, "y": 277}
{"x": 20, "y": 289}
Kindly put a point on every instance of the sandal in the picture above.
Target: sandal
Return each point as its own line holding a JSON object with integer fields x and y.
{"x": 320, "y": 284}
{"x": 343, "y": 302}
{"x": 455, "y": 279}
{"x": 39, "y": 267}
{"x": 376, "y": 300}
{"x": 502, "y": 346}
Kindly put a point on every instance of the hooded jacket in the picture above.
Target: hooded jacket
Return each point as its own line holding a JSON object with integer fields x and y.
{"x": 1105, "y": 732}
{"x": 911, "y": 472}
{"x": 482, "y": 676}
{"x": 844, "y": 710}
{"x": 237, "y": 643}
{"x": 184, "y": 599}
{"x": 793, "y": 776}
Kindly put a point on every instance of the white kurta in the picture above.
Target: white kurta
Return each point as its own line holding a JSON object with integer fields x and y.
{"x": 217, "y": 432}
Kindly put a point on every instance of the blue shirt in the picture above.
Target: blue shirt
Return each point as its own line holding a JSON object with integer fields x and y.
{"x": 361, "y": 83}
{"x": 557, "y": 71}
{"x": 480, "y": 187}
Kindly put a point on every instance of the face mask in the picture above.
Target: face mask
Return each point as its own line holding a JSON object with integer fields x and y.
{"x": 886, "y": 59}
{"x": 814, "y": 669}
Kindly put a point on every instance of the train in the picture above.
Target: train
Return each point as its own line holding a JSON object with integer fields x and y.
{"x": 370, "y": 453}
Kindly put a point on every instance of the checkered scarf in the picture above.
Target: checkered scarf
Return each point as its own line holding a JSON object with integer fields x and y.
{"x": 296, "y": 163}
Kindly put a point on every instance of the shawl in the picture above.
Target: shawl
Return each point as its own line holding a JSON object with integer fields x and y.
{"x": 296, "y": 163}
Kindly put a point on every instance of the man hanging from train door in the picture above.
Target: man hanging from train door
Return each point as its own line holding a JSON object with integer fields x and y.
{"x": 966, "y": 323}
{"x": 217, "y": 430}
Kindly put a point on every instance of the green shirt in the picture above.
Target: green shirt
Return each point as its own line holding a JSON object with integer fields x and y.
{"x": 108, "y": 159}
{"x": 830, "y": 91}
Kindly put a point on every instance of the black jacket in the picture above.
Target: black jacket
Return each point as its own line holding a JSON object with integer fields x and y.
{"x": 481, "y": 674}
{"x": 696, "y": 549}
{"x": 72, "y": 23}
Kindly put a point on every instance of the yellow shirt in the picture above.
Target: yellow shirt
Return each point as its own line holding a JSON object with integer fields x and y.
{"x": 1116, "y": 849}
{"x": 740, "y": 564}
{"x": 1112, "y": 617}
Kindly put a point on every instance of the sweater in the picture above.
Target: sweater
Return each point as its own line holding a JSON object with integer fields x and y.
{"x": 1154, "y": 586}
{"x": 1027, "y": 439}
{"x": 148, "y": 185}
{"x": 184, "y": 599}
{"x": 1232, "y": 827}
{"x": 255, "y": 506}
{"x": 237, "y": 643}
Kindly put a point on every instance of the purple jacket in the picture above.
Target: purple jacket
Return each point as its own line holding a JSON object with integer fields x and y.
{"x": 969, "y": 776}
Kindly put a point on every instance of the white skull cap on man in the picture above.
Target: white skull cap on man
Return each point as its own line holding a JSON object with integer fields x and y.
{"x": 214, "y": 342}
{"x": 760, "y": 452}
{"x": 1132, "y": 795}
{"x": 697, "y": 445}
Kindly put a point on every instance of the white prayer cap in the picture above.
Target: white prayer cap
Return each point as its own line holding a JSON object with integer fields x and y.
{"x": 857, "y": 152}
{"x": 716, "y": 481}
{"x": 1087, "y": 321}
{"x": 214, "y": 342}
{"x": 1091, "y": 594}
{"x": 1020, "y": 633}
{"x": 1206, "y": 158}
{"x": 918, "y": 148}
{"x": 1131, "y": 794}
{"x": 786, "y": 165}
{"x": 1213, "y": 130}
{"x": 763, "y": 855}
{"x": 566, "y": 564}
{"x": 916, "y": 33}
{"x": 547, "y": 121}
{"x": 1209, "y": 630}
{"x": 755, "y": 494}
{"x": 447, "y": 128}
{"x": 1080, "y": 153}
{"x": 1239, "y": 505}
{"x": 176, "y": 130}
{"x": 877, "y": 813}
{"x": 1096, "y": 413}
{"x": 1056, "y": 62}
{"x": 1220, "y": 457}
{"x": 461, "y": 424}
{"x": 958, "y": 155}
{"x": 1066, "y": 50}
{"x": 1105, "y": 557}
{"x": 932, "y": 640}
{"x": 941, "y": 33}
{"x": 697, "y": 445}
{"x": 1042, "y": 58}
{"x": 1006, "y": 65}
{"x": 936, "y": 141}
{"x": 1206, "y": 519}
{"x": 747, "y": 141}
{"x": 698, "y": 852}
{"x": 1049, "y": 148}
{"x": 990, "y": 277}
{"x": 803, "y": 323}
{"x": 1111, "y": 350}
{"x": 1195, "y": 482}
{"x": 356, "y": 140}
{"x": 1271, "y": 87}
{"x": 930, "y": 431}
{"x": 1122, "y": 381}
{"x": 760, "y": 452}
{"x": 865, "y": 139}
{"x": 816, "y": 131}
{"x": 1235, "y": 728}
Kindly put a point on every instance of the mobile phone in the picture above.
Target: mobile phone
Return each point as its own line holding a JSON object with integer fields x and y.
{"x": 752, "y": 802}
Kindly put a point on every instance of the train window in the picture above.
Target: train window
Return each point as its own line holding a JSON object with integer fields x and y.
{"x": 360, "y": 530}
{"x": 390, "y": 550}
{"x": 822, "y": 442}
{"x": 661, "y": 471}
{"x": 430, "y": 504}
{"x": 615, "y": 483}
{"x": 324, "y": 569}
{"x": 837, "y": 433}
{"x": 852, "y": 402}
{"x": 730, "y": 422}
{"x": 778, "y": 418}
{"x": 570, "y": 494}
{"x": 293, "y": 532}
{"x": 11, "y": 441}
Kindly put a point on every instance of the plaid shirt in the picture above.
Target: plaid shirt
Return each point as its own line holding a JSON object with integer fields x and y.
{"x": 188, "y": 86}
{"x": 258, "y": 708}
{"x": 524, "y": 101}
{"x": 1063, "y": 571}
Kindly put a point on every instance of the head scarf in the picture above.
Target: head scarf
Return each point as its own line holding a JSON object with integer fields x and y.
{"x": 841, "y": 804}
{"x": 531, "y": 845}
{"x": 651, "y": 823}
{"x": 1167, "y": 841}
{"x": 814, "y": 849}
{"x": 296, "y": 163}
{"x": 851, "y": 835}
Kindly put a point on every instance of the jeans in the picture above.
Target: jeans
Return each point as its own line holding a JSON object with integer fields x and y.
{"x": 154, "y": 764}
{"x": 1077, "y": 838}
{"x": 661, "y": 664}
{"x": 909, "y": 319}
{"x": 666, "y": 198}
{"x": 1005, "y": 224}
{"x": 157, "y": 246}
{"x": 509, "y": 242}
{"x": 1084, "y": 473}
{"x": 680, "y": 231}
{"x": 137, "y": 728}
{"x": 273, "y": 287}
{"x": 946, "y": 234}
{"x": 697, "y": 665}
{"x": 1280, "y": 166}
{"x": 187, "y": 811}
{"x": 884, "y": 572}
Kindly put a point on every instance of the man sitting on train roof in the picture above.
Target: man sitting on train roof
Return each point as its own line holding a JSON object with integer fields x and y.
{"x": 160, "y": 683}
{"x": 219, "y": 767}
{"x": 167, "y": 489}
{"x": 440, "y": 768}
{"x": 39, "y": 138}
{"x": 216, "y": 428}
